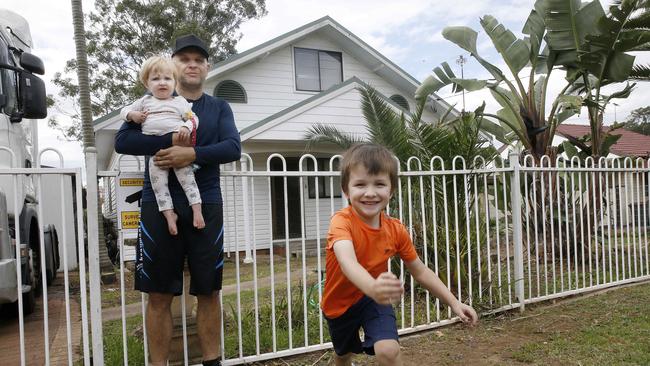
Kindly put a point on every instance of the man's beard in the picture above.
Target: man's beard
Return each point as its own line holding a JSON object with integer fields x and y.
{"x": 190, "y": 85}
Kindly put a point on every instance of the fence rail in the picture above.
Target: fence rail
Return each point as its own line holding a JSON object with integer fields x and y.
{"x": 499, "y": 234}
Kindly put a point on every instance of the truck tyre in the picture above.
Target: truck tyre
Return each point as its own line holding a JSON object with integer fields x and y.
{"x": 34, "y": 245}
{"x": 29, "y": 302}
{"x": 52, "y": 253}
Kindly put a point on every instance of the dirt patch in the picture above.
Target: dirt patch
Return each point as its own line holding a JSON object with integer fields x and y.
{"x": 550, "y": 333}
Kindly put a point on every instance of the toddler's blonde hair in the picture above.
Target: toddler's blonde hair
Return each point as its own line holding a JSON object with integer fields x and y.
{"x": 157, "y": 64}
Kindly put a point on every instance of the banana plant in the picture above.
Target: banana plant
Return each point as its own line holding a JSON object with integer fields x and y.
{"x": 593, "y": 46}
{"x": 568, "y": 35}
{"x": 522, "y": 117}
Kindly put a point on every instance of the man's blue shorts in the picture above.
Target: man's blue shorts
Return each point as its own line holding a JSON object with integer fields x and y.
{"x": 160, "y": 257}
{"x": 378, "y": 323}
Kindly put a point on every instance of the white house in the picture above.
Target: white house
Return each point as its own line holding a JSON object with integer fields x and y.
{"x": 278, "y": 90}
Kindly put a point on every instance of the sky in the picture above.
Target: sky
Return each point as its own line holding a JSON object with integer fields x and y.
{"x": 409, "y": 32}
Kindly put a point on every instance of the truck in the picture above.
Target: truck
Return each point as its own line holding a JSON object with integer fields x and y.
{"x": 22, "y": 103}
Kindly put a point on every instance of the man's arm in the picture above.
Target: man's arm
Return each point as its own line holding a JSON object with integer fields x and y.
{"x": 427, "y": 278}
{"x": 385, "y": 289}
{"x": 227, "y": 149}
{"x": 131, "y": 141}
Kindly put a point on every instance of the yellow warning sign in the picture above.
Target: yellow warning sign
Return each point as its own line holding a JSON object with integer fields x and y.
{"x": 130, "y": 219}
{"x": 131, "y": 182}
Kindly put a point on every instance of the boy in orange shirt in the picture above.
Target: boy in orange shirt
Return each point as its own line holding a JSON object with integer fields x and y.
{"x": 359, "y": 290}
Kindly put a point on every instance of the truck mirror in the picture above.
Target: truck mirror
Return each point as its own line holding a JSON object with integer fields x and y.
{"x": 32, "y": 63}
{"x": 32, "y": 93}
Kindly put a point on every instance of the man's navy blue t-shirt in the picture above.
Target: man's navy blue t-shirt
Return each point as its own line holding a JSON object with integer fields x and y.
{"x": 217, "y": 142}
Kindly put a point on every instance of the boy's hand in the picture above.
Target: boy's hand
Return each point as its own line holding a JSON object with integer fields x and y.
{"x": 137, "y": 116}
{"x": 387, "y": 289}
{"x": 184, "y": 133}
{"x": 465, "y": 312}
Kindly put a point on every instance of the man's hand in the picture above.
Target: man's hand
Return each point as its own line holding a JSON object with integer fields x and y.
{"x": 174, "y": 157}
{"x": 387, "y": 289}
{"x": 137, "y": 116}
{"x": 178, "y": 140}
{"x": 465, "y": 312}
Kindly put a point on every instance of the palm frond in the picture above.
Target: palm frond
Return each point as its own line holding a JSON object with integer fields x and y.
{"x": 384, "y": 126}
{"x": 640, "y": 72}
{"x": 325, "y": 133}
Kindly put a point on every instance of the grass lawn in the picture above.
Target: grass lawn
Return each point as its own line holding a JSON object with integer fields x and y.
{"x": 610, "y": 328}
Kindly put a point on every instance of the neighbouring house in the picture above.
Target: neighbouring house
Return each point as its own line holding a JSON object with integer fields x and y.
{"x": 630, "y": 144}
{"x": 277, "y": 91}
{"x": 631, "y": 203}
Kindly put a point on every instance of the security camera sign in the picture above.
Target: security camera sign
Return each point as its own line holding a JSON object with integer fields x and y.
{"x": 128, "y": 194}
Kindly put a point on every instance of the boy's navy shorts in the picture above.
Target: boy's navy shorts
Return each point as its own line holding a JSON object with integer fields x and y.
{"x": 160, "y": 257}
{"x": 378, "y": 323}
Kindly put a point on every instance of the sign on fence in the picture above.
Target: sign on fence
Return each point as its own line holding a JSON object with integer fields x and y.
{"x": 129, "y": 192}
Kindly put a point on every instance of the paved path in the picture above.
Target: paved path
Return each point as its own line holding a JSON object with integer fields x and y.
{"x": 34, "y": 332}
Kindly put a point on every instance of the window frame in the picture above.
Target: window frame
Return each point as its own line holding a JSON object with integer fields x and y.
{"x": 320, "y": 79}
{"x": 323, "y": 182}
{"x": 8, "y": 81}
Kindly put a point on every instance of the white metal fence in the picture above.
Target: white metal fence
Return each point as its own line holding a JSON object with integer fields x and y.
{"x": 57, "y": 332}
{"x": 499, "y": 234}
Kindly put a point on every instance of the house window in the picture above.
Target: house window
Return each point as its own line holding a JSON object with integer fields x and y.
{"x": 324, "y": 189}
{"x": 400, "y": 100}
{"x": 231, "y": 91}
{"x": 317, "y": 70}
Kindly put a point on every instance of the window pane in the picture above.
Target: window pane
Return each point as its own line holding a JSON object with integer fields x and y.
{"x": 330, "y": 69}
{"x": 306, "y": 69}
{"x": 7, "y": 81}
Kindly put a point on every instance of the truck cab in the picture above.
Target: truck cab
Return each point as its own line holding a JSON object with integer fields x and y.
{"x": 22, "y": 102}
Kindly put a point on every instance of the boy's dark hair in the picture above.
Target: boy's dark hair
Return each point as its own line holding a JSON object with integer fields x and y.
{"x": 375, "y": 158}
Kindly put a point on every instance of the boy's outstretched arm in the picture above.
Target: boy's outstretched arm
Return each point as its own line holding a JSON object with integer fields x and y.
{"x": 427, "y": 278}
{"x": 385, "y": 289}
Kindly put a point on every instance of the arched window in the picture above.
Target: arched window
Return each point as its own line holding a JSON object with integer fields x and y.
{"x": 231, "y": 91}
{"x": 401, "y": 101}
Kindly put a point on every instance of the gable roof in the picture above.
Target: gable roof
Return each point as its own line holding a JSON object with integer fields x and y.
{"x": 285, "y": 114}
{"x": 352, "y": 45}
{"x": 630, "y": 144}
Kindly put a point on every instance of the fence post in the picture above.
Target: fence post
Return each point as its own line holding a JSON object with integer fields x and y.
{"x": 515, "y": 196}
{"x": 93, "y": 256}
{"x": 247, "y": 224}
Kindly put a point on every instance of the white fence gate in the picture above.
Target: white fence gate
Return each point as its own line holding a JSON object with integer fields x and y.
{"x": 499, "y": 234}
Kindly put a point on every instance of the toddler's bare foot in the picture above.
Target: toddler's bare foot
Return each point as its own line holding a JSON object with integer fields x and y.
{"x": 198, "y": 220}
{"x": 171, "y": 218}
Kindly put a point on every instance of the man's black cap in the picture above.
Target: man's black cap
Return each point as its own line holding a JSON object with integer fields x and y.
{"x": 190, "y": 41}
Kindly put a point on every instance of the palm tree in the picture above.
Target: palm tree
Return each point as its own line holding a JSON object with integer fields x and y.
{"x": 409, "y": 136}
{"x": 95, "y": 231}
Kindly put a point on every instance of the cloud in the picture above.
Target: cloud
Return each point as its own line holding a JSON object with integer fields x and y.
{"x": 408, "y": 32}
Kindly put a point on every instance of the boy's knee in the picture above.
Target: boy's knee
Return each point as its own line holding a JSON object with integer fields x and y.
{"x": 387, "y": 351}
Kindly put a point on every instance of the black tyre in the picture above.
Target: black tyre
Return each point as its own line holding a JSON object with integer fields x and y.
{"x": 29, "y": 302}
{"x": 51, "y": 249}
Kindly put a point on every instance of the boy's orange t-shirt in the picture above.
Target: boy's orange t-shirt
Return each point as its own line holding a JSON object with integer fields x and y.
{"x": 373, "y": 247}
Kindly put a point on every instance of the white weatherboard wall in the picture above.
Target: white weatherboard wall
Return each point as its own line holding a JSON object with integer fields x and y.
{"x": 270, "y": 84}
{"x": 342, "y": 111}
